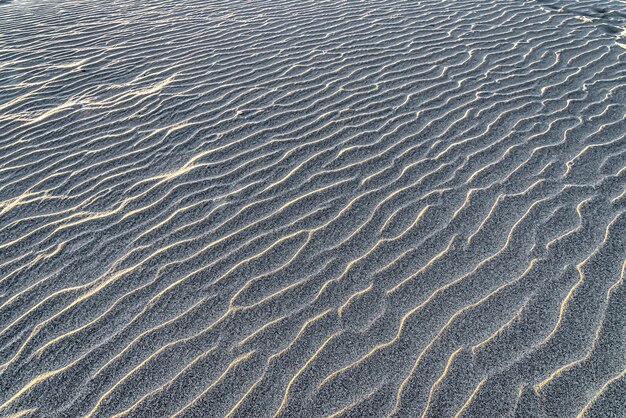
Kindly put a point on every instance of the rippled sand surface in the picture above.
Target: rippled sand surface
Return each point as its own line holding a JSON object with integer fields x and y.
{"x": 312, "y": 208}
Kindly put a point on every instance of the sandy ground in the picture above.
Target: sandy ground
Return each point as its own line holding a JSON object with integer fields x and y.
{"x": 312, "y": 208}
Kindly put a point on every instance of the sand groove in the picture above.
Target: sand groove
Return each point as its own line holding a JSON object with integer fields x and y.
{"x": 312, "y": 208}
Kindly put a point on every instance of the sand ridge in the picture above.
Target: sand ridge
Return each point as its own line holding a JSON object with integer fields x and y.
{"x": 312, "y": 208}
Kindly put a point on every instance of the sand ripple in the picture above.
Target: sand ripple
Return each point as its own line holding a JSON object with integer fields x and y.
{"x": 312, "y": 208}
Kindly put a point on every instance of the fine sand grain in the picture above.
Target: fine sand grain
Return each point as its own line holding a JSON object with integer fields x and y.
{"x": 292, "y": 208}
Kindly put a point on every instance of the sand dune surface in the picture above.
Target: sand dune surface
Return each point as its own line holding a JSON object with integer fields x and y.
{"x": 298, "y": 208}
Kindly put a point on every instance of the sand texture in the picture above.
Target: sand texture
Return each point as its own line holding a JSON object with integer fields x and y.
{"x": 297, "y": 208}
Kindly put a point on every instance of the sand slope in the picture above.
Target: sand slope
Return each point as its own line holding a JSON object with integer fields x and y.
{"x": 312, "y": 208}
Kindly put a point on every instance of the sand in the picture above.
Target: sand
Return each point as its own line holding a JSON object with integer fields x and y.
{"x": 312, "y": 208}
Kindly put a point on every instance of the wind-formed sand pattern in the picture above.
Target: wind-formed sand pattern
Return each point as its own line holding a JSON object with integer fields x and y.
{"x": 312, "y": 208}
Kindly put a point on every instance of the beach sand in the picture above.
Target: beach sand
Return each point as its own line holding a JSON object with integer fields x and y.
{"x": 296, "y": 208}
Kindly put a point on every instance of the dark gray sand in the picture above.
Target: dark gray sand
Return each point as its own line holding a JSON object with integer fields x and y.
{"x": 312, "y": 208}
